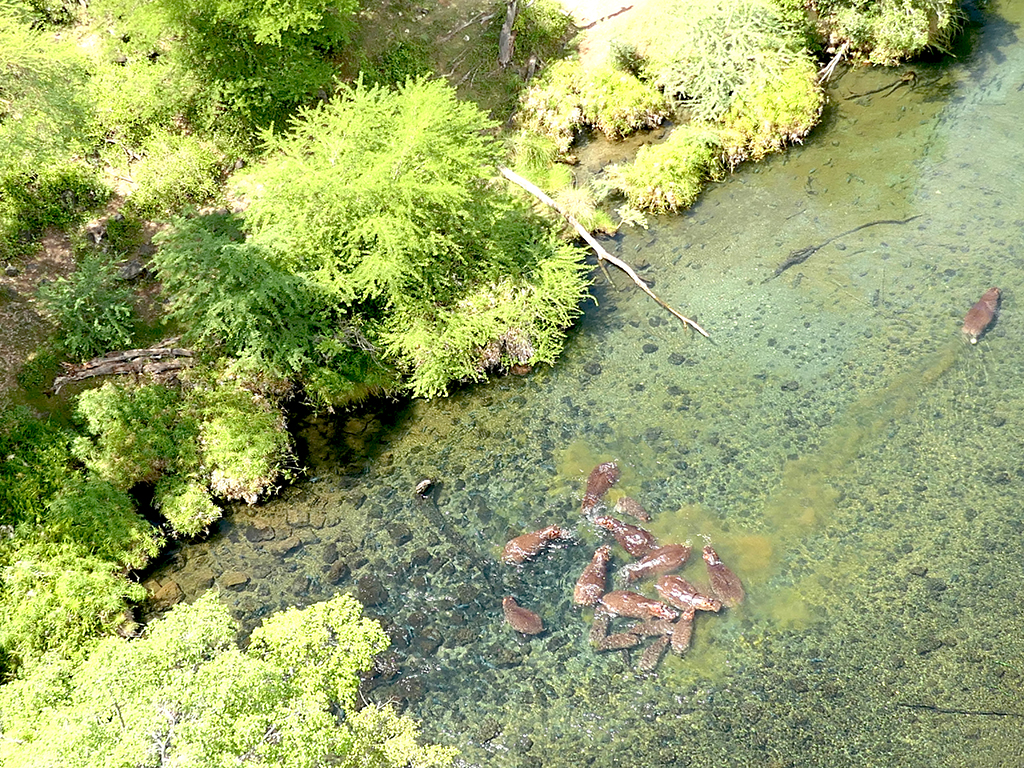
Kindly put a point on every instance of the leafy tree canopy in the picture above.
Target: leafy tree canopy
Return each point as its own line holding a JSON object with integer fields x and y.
{"x": 186, "y": 694}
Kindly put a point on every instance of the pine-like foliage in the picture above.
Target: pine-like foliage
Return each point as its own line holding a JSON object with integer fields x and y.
{"x": 380, "y": 205}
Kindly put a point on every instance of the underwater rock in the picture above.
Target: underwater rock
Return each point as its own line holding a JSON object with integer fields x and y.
{"x": 370, "y": 591}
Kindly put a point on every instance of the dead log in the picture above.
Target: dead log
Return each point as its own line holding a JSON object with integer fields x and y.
{"x": 602, "y": 254}
{"x": 158, "y": 362}
{"x": 507, "y": 38}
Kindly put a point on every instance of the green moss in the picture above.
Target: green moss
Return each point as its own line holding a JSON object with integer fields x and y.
{"x": 770, "y": 112}
{"x": 668, "y": 176}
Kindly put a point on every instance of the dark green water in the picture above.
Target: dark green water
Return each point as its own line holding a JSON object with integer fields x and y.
{"x": 849, "y": 455}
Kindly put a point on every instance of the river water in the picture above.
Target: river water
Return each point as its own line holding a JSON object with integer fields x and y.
{"x": 849, "y": 455}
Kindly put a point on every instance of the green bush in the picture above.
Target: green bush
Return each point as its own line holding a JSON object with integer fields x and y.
{"x": 176, "y": 169}
{"x": 92, "y": 309}
{"x": 35, "y": 461}
{"x": 58, "y": 598}
{"x": 668, "y": 176}
{"x": 396, "y": 64}
{"x": 568, "y": 98}
{"x": 378, "y": 203}
{"x": 136, "y": 434}
{"x": 100, "y": 519}
{"x": 186, "y": 505}
{"x": 233, "y": 298}
{"x": 768, "y": 114}
{"x": 186, "y": 694}
{"x": 711, "y": 49}
{"x": 54, "y": 195}
{"x": 889, "y": 31}
{"x": 216, "y": 433}
{"x": 244, "y": 444}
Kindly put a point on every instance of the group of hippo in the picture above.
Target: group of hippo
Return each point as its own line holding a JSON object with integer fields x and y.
{"x": 669, "y": 620}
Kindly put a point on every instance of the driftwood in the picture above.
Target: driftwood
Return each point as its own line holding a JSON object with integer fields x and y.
{"x": 507, "y": 38}
{"x": 154, "y": 361}
{"x": 602, "y": 254}
{"x": 803, "y": 254}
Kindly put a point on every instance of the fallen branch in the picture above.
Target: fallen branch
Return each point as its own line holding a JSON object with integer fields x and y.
{"x": 507, "y": 38}
{"x": 515, "y": 178}
{"x": 827, "y": 72}
{"x": 154, "y": 361}
{"x": 954, "y": 711}
{"x": 803, "y": 254}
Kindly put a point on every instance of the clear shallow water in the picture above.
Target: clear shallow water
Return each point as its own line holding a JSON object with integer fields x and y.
{"x": 849, "y": 455}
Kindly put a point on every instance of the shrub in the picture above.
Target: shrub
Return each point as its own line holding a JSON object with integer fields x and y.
{"x": 379, "y": 204}
{"x": 244, "y": 444}
{"x": 889, "y": 31}
{"x": 100, "y": 519}
{"x": 767, "y": 114}
{"x": 92, "y": 310}
{"x": 58, "y": 598}
{"x": 35, "y": 461}
{"x": 176, "y": 169}
{"x": 136, "y": 434}
{"x": 711, "y": 49}
{"x": 186, "y": 505}
{"x": 668, "y": 176}
{"x": 186, "y": 694}
{"x": 568, "y": 98}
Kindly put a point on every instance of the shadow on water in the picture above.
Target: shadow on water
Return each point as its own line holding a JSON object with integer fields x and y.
{"x": 841, "y": 446}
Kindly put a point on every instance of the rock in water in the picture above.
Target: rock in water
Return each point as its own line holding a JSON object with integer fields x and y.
{"x": 981, "y": 315}
{"x": 521, "y": 619}
{"x": 724, "y": 583}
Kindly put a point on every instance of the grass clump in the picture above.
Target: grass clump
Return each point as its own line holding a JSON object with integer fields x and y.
{"x": 768, "y": 113}
{"x": 668, "y": 176}
{"x": 569, "y": 98}
{"x": 889, "y": 31}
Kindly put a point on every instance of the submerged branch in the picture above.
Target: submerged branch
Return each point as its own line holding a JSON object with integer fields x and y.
{"x": 602, "y": 254}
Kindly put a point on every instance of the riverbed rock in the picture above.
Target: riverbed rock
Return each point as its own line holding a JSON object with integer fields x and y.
{"x": 193, "y": 581}
{"x": 256, "y": 533}
{"x": 234, "y": 580}
{"x": 370, "y": 591}
{"x": 166, "y": 595}
{"x": 285, "y": 546}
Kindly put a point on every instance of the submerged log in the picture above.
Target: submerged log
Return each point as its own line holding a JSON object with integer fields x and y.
{"x": 154, "y": 361}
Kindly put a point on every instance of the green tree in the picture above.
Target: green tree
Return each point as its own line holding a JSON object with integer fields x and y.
{"x": 381, "y": 203}
{"x": 259, "y": 60}
{"x": 185, "y": 694}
